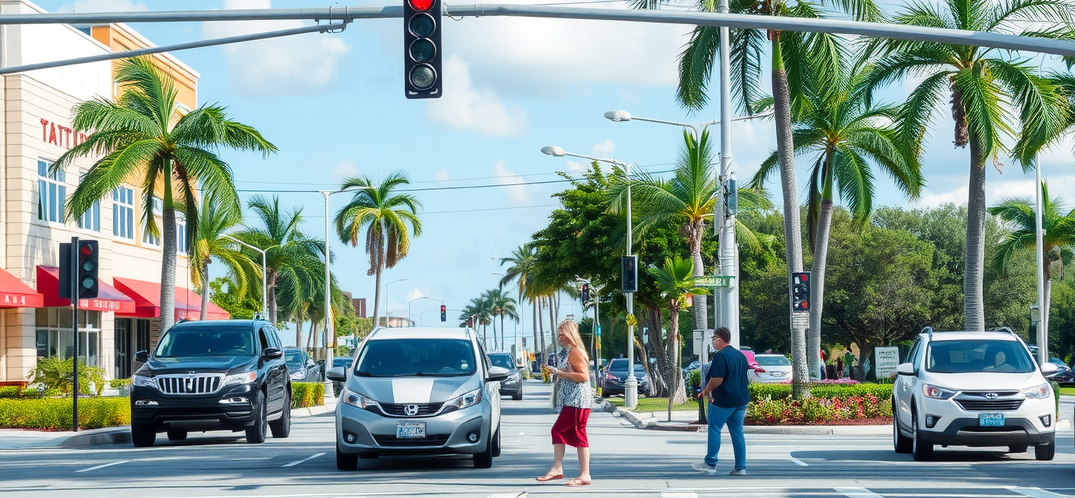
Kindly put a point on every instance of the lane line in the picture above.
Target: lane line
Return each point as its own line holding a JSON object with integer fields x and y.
{"x": 857, "y": 493}
{"x": 307, "y": 459}
{"x": 102, "y": 466}
{"x": 799, "y": 462}
{"x": 669, "y": 494}
{"x": 1034, "y": 492}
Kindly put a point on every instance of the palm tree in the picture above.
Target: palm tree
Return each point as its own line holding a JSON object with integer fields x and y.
{"x": 1058, "y": 240}
{"x": 144, "y": 135}
{"x": 385, "y": 216}
{"x": 987, "y": 89}
{"x": 209, "y": 242}
{"x": 522, "y": 271}
{"x": 675, "y": 282}
{"x": 844, "y": 132}
{"x": 478, "y": 313}
{"x": 502, "y": 306}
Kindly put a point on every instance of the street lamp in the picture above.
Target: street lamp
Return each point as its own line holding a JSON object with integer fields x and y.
{"x": 387, "y": 322}
{"x": 630, "y": 385}
{"x": 416, "y": 299}
{"x": 728, "y": 307}
{"x": 264, "y": 309}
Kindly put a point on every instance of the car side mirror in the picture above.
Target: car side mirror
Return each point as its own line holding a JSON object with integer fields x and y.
{"x": 142, "y": 356}
{"x": 497, "y": 374}
{"x": 310, "y": 364}
{"x": 1049, "y": 368}
{"x": 272, "y": 353}
{"x": 905, "y": 369}
{"x": 338, "y": 374}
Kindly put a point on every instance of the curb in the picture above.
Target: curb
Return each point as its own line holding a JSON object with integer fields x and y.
{"x": 651, "y": 423}
{"x": 111, "y": 435}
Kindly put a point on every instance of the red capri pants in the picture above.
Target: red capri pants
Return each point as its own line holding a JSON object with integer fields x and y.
{"x": 570, "y": 427}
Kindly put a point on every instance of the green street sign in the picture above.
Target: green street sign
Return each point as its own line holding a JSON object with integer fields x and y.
{"x": 713, "y": 281}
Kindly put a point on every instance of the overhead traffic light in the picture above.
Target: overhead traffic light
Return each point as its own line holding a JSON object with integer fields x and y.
{"x": 422, "y": 50}
{"x": 630, "y": 273}
{"x": 87, "y": 269}
{"x": 585, "y": 293}
{"x": 443, "y": 313}
{"x": 800, "y": 291}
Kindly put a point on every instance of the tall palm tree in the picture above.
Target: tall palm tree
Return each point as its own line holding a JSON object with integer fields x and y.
{"x": 502, "y": 306}
{"x": 675, "y": 283}
{"x": 479, "y": 314}
{"x": 385, "y": 215}
{"x": 522, "y": 271}
{"x": 145, "y": 135}
{"x": 987, "y": 89}
{"x": 844, "y": 132}
{"x": 1058, "y": 240}
{"x": 209, "y": 242}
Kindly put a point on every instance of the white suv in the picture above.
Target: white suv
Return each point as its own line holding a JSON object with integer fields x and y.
{"x": 972, "y": 389}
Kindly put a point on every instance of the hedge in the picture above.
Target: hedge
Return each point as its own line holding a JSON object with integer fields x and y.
{"x": 54, "y": 414}
{"x": 307, "y": 394}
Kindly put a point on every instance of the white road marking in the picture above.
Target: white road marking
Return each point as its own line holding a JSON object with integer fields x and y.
{"x": 304, "y": 460}
{"x": 799, "y": 462}
{"x": 1034, "y": 492}
{"x": 521, "y": 494}
{"x": 103, "y": 466}
{"x": 667, "y": 494}
{"x": 857, "y": 493}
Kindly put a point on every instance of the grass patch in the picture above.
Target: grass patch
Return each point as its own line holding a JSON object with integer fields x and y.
{"x": 1067, "y": 390}
{"x": 655, "y": 404}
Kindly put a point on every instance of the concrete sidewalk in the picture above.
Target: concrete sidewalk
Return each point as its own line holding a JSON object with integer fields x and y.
{"x": 20, "y": 439}
{"x": 686, "y": 420}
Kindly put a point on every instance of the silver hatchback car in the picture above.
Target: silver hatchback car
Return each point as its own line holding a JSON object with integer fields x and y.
{"x": 415, "y": 390}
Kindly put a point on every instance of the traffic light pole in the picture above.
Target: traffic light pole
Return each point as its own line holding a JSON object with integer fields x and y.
{"x": 72, "y": 284}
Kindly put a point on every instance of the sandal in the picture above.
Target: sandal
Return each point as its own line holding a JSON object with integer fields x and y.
{"x": 578, "y": 481}
{"x": 550, "y": 476}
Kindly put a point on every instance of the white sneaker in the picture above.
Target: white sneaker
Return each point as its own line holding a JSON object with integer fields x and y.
{"x": 704, "y": 468}
{"x": 738, "y": 472}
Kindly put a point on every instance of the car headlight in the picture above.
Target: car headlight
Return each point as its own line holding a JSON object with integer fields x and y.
{"x": 936, "y": 392}
{"x": 513, "y": 377}
{"x": 1038, "y": 392}
{"x": 469, "y": 399}
{"x": 357, "y": 400}
{"x": 240, "y": 378}
{"x": 143, "y": 381}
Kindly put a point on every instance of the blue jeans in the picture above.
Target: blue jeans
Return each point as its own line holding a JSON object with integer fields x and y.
{"x": 718, "y": 416}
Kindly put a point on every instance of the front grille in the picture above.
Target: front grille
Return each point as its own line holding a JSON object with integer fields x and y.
{"x": 432, "y": 440}
{"x": 190, "y": 383}
{"x": 400, "y": 410}
{"x": 987, "y": 405}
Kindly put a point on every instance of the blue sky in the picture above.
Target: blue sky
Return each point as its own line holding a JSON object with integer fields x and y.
{"x": 334, "y": 105}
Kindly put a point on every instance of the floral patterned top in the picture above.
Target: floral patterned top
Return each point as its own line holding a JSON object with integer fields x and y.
{"x": 570, "y": 393}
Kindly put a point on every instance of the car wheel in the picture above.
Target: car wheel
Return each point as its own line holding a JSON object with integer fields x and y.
{"x": 1044, "y": 451}
{"x": 518, "y": 396}
{"x": 921, "y": 451}
{"x": 484, "y": 460}
{"x": 901, "y": 443}
{"x": 142, "y": 435}
{"x": 369, "y": 456}
{"x": 1017, "y": 448}
{"x": 255, "y": 434}
{"x": 345, "y": 461}
{"x": 496, "y": 442}
{"x": 281, "y": 427}
{"x": 177, "y": 435}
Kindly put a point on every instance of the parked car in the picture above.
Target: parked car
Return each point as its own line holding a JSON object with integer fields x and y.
{"x": 771, "y": 368}
{"x": 513, "y": 385}
{"x": 972, "y": 389}
{"x": 300, "y": 367}
{"x": 1063, "y": 375}
{"x": 419, "y": 390}
{"x": 613, "y": 377}
{"x": 345, "y": 363}
{"x": 212, "y": 375}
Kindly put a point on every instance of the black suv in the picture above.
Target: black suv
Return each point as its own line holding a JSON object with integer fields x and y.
{"x": 212, "y": 375}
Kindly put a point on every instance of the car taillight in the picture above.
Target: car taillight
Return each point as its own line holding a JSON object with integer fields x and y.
{"x": 759, "y": 370}
{"x": 609, "y": 376}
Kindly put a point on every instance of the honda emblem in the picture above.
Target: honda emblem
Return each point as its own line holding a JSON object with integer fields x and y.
{"x": 410, "y": 410}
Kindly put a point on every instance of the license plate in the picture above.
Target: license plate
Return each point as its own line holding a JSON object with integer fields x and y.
{"x": 410, "y": 430}
{"x": 991, "y": 419}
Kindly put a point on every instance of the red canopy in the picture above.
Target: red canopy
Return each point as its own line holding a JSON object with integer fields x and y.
{"x": 108, "y": 298}
{"x": 147, "y": 297}
{"x": 16, "y": 294}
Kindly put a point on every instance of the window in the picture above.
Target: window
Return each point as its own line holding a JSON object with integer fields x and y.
{"x": 123, "y": 213}
{"x": 54, "y": 335}
{"x": 51, "y": 193}
{"x": 91, "y": 219}
{"x": 181, "y": 232}
{"x": 148, "y": 238}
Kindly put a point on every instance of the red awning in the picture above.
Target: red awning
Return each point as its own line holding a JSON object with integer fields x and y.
{"x": 15, "y": 294}
{"x": 108, "y": 298}
{"x": 147, "y": 296}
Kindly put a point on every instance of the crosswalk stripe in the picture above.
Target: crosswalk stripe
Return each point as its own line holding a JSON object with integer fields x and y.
{"x": 799, "y": 462}
{"x": 103, "y": 466}
{"x": 857, "y": 493}
{"x": 670, "y": 494}
{"x": 304, "y": 460}
{"x": 507, "y": 495}
{"x": 1034, "y": 492}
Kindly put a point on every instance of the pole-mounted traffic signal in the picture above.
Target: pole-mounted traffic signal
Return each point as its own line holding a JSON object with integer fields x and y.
{"x": 87, "y": 269}
{"x": 630, "y": 273}
{"x": 800, "y": 291}
{"x": 443, "y": 313}
{"x": 585, "y": 293}
{"x": 422, "y": 50}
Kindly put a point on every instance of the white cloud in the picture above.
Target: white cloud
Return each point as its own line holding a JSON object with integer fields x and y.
{"x": 467, "y": 108}
{"x": 277, "y": 65}
{"x": 103, "y": 6}
{"x": 518, "y": 195}
{"x": 577, "y": 167}
{"x": 344, "y": 169}
{"x": 442, "y": 175}
{"x": 934, "y": 199}
{"x": 603, "y": 149}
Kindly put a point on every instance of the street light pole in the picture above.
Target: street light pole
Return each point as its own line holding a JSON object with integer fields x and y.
{"x": 416, "y": 299}
{"x": 329, "y": 331}
{"x": 263, "y": 282}
{"x": 630, "y": 384}
{"x": 387, "y": 321}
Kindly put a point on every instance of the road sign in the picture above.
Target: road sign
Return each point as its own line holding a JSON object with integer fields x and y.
{"x": 714, "y": 281}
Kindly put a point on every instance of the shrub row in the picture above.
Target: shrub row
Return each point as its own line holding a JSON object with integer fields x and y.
{"x": 760, "y": 391}
{"x": 16, "y": 392}
{"x": 817, "y": 410}
{"x": 54, "y": 414}
{"x": 307, "y": 394}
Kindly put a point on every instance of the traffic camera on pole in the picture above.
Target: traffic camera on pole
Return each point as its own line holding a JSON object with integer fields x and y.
{"x": 422, "y": 50}
{"x": 800, "y": 291}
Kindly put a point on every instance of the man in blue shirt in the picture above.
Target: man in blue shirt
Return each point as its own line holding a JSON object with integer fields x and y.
{"x": 728, "y": 395}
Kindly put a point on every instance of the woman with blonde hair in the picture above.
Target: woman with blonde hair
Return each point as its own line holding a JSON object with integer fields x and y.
{"x": 576, "y": 397}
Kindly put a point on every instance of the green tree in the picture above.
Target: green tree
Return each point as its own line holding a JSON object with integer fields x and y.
{"x": 226, "y": 295}
{"x": 675, "y": 282}
{"x": 521, "y": 271}
{"x": 145, "y": 135}
{"x": 988, "y": 90}
{"x": 209, "y": 242}
{"x": 385, "y": 215}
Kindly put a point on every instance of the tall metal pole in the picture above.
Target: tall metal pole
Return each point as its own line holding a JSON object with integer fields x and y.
{"x": 630, "y": 385}
{"x": 1039, "y": 253}
{"x": 73, "y": 286}
{"x": 264, "y": 282}
{"x": 329, "y": 330}
{"x": 729, "y": 253}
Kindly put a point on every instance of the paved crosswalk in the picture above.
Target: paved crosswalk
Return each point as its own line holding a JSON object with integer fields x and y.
{"x": 853, "y": 492}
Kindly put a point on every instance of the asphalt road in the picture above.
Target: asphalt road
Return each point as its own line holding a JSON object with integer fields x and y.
{"x": 626, "y": 462}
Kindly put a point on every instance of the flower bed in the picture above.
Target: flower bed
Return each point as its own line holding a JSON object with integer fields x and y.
{"x": 830, "y": 403}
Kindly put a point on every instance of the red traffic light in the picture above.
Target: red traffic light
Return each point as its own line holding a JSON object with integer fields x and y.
{"x": 420, "y": 5}
{"x": 443, "y": 308}
{"x": 85, "y": 249}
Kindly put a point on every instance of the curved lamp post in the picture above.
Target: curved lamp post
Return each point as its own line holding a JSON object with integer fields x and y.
{"x": 417, "y": 299}
{"x": 387, "y": 320}
{"x": 264, "y": 298}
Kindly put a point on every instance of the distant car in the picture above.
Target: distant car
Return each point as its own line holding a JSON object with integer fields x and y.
{"x": 770, "y": 368}
{"x": 300, "y": 367}
{"x": 613, "y": 378}
{"x": 344, "y": 362}
{"x": 1063, "y": 375}
{"x": 513, "y": 385}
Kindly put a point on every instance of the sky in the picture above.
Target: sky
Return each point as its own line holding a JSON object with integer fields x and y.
{"x": 334, "y": 105}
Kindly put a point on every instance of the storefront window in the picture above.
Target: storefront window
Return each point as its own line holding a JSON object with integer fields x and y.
{"x": 123, "y": 213}
{"x": 51, "y": 193}
{"x": 54, "y": 334}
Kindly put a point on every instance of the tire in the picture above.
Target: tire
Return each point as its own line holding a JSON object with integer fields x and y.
{"x": 256, "y": 433}
{"x": 922, "y": 452}
{"x": 142, "y": 435}
{"x": 1044, "y": 451}
{"x": 1017, "y": 448}
{"x": 496, "y": 442}
{"x": 177, "y": 435}
{"x": 369, "y": 456}
{"x": 281, "y": 427}
{"x": 484, "y": 460}
{"x": 518, "y": 396}
{"x": 345, "y": 461}
{"x": 901, "y": 443}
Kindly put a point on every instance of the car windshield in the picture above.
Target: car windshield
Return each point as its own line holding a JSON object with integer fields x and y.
{"x": 973, "y": 356}
{"x": 502, "y": 361}
{"x": 620, "y": 364}
{"x": 293, "y": 357}
{"x": 427, "y": 357}
{"x": 181, "y": 342}
{"x": 772, "y": 361}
